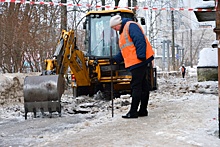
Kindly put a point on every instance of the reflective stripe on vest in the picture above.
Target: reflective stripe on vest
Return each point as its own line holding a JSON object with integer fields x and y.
{"x": 128, "y": 43}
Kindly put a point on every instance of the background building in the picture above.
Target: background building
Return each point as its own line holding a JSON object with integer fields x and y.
{"x": 177, "y": 36}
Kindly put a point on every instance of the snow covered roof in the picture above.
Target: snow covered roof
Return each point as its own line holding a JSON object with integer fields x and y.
{"x": 206, "y": 5}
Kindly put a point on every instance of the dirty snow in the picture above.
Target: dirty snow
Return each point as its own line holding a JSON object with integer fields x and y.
{"x": 182, "y": 112}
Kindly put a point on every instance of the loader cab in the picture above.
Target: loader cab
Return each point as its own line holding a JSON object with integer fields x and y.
{"x": 99, "y": 36}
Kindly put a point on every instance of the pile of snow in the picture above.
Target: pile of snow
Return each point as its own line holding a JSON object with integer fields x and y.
{"x": 192, "y": 72}
{"x": 208, "y": 57}
{"x": 11, "y": 87}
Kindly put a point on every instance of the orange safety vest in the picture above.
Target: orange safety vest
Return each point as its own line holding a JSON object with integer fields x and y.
{"x": 183, "y": 70}
{"x": 128, "y": 49}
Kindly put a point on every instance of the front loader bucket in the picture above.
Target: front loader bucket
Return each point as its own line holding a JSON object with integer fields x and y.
{"x": 43, "y": 92}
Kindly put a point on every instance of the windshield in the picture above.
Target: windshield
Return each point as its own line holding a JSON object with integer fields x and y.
{"x": 102, "y": 37}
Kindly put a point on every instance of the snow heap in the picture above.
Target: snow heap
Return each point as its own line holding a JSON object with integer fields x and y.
{"x": 11, "y": 87}
{"x": 208, "y": 57}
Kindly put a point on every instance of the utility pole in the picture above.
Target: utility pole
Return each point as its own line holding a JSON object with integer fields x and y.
{"x": 178, "y": 55}
{"x": 103, "y": 4}
{"x": 64, "y": 16}
{"x": 173, "y": 43}
{"x": 163, "y": 57}
{"x": 191, "y": 64}
{"x": 217, "y": 31}
{"x": 168, "y": 54}
{"x": 182, "y": 51}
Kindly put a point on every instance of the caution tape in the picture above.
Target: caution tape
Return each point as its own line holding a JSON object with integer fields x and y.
{"x": 100, "y": 6}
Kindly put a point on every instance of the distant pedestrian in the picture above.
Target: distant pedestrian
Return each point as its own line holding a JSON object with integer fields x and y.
{"x": 183, "y": 70}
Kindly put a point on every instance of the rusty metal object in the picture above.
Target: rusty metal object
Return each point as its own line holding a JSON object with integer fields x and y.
{"x": 43, "y": 93}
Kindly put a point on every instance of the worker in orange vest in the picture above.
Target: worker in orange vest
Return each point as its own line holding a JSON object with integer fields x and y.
{"x": 183, "y": 70}
{"x": 137, "y": 54}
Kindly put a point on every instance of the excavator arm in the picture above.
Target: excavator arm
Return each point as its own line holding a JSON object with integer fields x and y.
{"x": 67, "y": 55}
{"x": 74, "y": 59}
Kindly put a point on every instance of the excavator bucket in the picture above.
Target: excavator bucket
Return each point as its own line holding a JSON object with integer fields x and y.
{"x": 43, "y": 93}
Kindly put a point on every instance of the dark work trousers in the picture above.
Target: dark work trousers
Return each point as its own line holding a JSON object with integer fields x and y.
{"x": 140, "y": 89}
{"x": 183, "y": 74}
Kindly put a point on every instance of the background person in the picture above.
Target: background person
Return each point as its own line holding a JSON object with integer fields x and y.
{"x": 183, "y": 70}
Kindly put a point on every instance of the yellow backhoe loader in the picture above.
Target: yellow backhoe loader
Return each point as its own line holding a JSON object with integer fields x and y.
{"x": 91, "y": 69}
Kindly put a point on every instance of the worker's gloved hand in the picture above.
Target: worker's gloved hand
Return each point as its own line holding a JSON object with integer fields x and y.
{"x": 112, "y": 60}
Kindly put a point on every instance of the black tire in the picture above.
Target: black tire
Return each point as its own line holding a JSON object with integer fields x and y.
{"x": 35, "y": 112}
{"x": 59, "y": 110}
{"x": 50, "y": 112}
{"x": 74, "y": 91}
{"x": 116, "y": 94}
{"x": 42, "y": 111}
{"x": 107, "y": 91}
{"x": 82, "y": 90}
{"x": 98, "y": 87}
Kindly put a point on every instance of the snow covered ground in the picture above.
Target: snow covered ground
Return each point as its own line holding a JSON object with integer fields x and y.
{"x": 182, "y": 112}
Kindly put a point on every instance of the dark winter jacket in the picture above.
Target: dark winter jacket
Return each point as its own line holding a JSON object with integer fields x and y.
{"x": 139, "y": 42}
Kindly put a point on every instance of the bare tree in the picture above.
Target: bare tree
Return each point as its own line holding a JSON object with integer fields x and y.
{"x": 27, "y": 31}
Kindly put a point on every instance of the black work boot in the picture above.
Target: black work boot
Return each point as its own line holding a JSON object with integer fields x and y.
{"x": 130, "y": 115}
{"x": 133, "y": 110}
{"x": 142, "y": 113}
{"x": 144, "y": 102}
